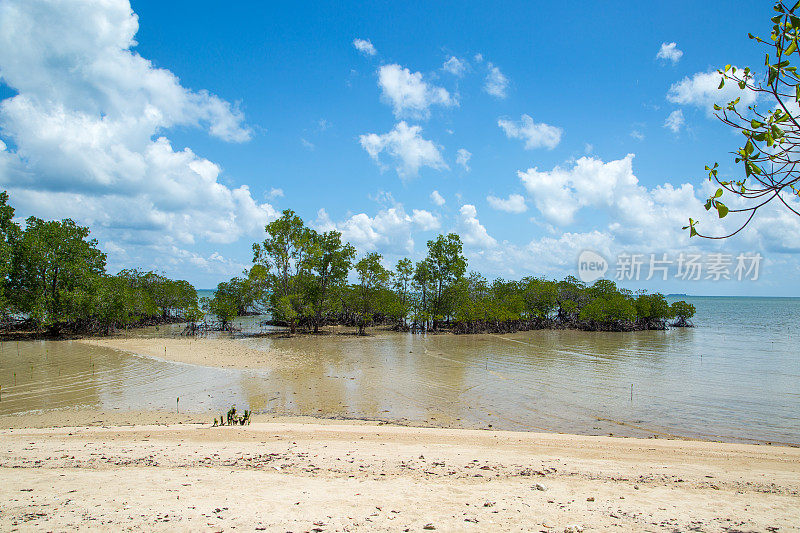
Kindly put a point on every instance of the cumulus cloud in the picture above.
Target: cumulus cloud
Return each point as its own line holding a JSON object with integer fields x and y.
{"x": 548, "y": 256}
{"x": 437, "y": 198}
{"x": 472, "y": 232}
{"x": 515, "y": 203}
{"x": 455, "y": 66}
{"x": 88, "y": 125}
{"x": 535, "y": 135}
{"x": 669, "y": 52}
{"x": 388, "y": 232}
{"x": 496, "y": 83}
{"x": 409, "y": 94}
{"x": 462, "y": 158}
{"x": 405, "y": 144}
{"x": 702, "y": 90}
{"x": 675, "y": 121}
{"x": 364, "y": 46}
{"x": 639, "y": 215}
{"x": 640, "y": 220}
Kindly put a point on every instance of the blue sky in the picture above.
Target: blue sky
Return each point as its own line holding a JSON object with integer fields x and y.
{"x": 175, "y": 130}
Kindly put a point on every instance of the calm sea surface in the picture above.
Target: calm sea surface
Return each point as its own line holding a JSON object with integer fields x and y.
{"x": 734, "y": 377}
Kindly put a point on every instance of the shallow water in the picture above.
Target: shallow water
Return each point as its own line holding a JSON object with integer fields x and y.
{"x": 734, "y": 377}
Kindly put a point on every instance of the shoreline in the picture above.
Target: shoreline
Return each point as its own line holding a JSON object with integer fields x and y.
{"x": 384, "y": 477}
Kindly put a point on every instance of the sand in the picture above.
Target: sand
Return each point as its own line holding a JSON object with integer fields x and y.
{"x": 304, "y": 475}
{"x": 223, "y": 353}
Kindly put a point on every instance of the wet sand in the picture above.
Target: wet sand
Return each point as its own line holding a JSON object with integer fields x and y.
{"x": 298, "y": 475}
{"x": 218, "y": 352}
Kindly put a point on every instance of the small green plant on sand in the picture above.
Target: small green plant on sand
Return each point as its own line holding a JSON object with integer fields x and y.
{"x": 232, "y": 419}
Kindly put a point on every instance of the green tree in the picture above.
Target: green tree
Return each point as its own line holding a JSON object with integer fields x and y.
{"x": 283, "y": 257}
{"x": 422, "y": 285}
{"x": 9, "y": 233}
{"x": 329, "y": 262}
{"x": 653, "y": 310}
{"x": 613, "y": 312}
{"x": 224, "y": 304}
{"x": 403, "y": 274}
{"x": 372, "y": 278}
{"x": 447, "y": 265}
{"x": 768, "y": 156}
{"x": 540, "y": 297}
{"x": 572, "y": 297}
{"x": 682, "y": 312}
{"x": 56, "y": 264}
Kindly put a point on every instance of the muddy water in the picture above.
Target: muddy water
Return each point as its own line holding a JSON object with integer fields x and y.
{"x": 735, "y": 377}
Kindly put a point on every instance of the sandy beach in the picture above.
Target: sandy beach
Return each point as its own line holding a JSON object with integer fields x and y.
{"x": 303, "y": 475}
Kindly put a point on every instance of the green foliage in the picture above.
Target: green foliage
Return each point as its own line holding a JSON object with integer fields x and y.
{"x": 56, "y": 268}
{"x": 767, "y": 156}
{"x": 571, "y": 297}
{"x": 372, "y": 279}
{"x": 445, "y": 265}
{"x": 540, "y": 297}
{"x": 233, "y": 419}
{"x": 329, "y": 261}
{"x": 611, "y": 310}
{"x": 9, "y": 233}
{"x": 653, "y": 308}
{"x": 225, "y": 303}
{"x": 53, "y": 273}
{"x": 284, "y": 262}
{"x": 682, "y": 312}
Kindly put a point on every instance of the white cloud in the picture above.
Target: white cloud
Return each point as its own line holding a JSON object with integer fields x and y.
{"x": 275, "y": 193}
{"x": 478, "y": 58}
{"x": 535, "y": 135}
{"x": 639, "y": 219}
{"x": 437, "y": 198}
{"x": 462, "y": 158}
{"x": 388, "y": 232}
{"x": 702, "y": 90}
{"x": 669, "y": 52}
{"x": 472, "y": 232}
{"x": 675, "y": 121}
{"x": 549, "y": 256}
{"x": 307, "y": 144}
{"x": 496, "y": 83}
{"x": 455, "y": 66}
{"x": 639, "y": 215}
{"x": 637, "y": 134}
{"x": 515, "y": 203}
{"x": 560, "y": 193}
{"x": 88, "y": 124}
{"x": 365, "y": 47}
{"x": 405, "y": 144}
{"x": 409, "y": 94}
